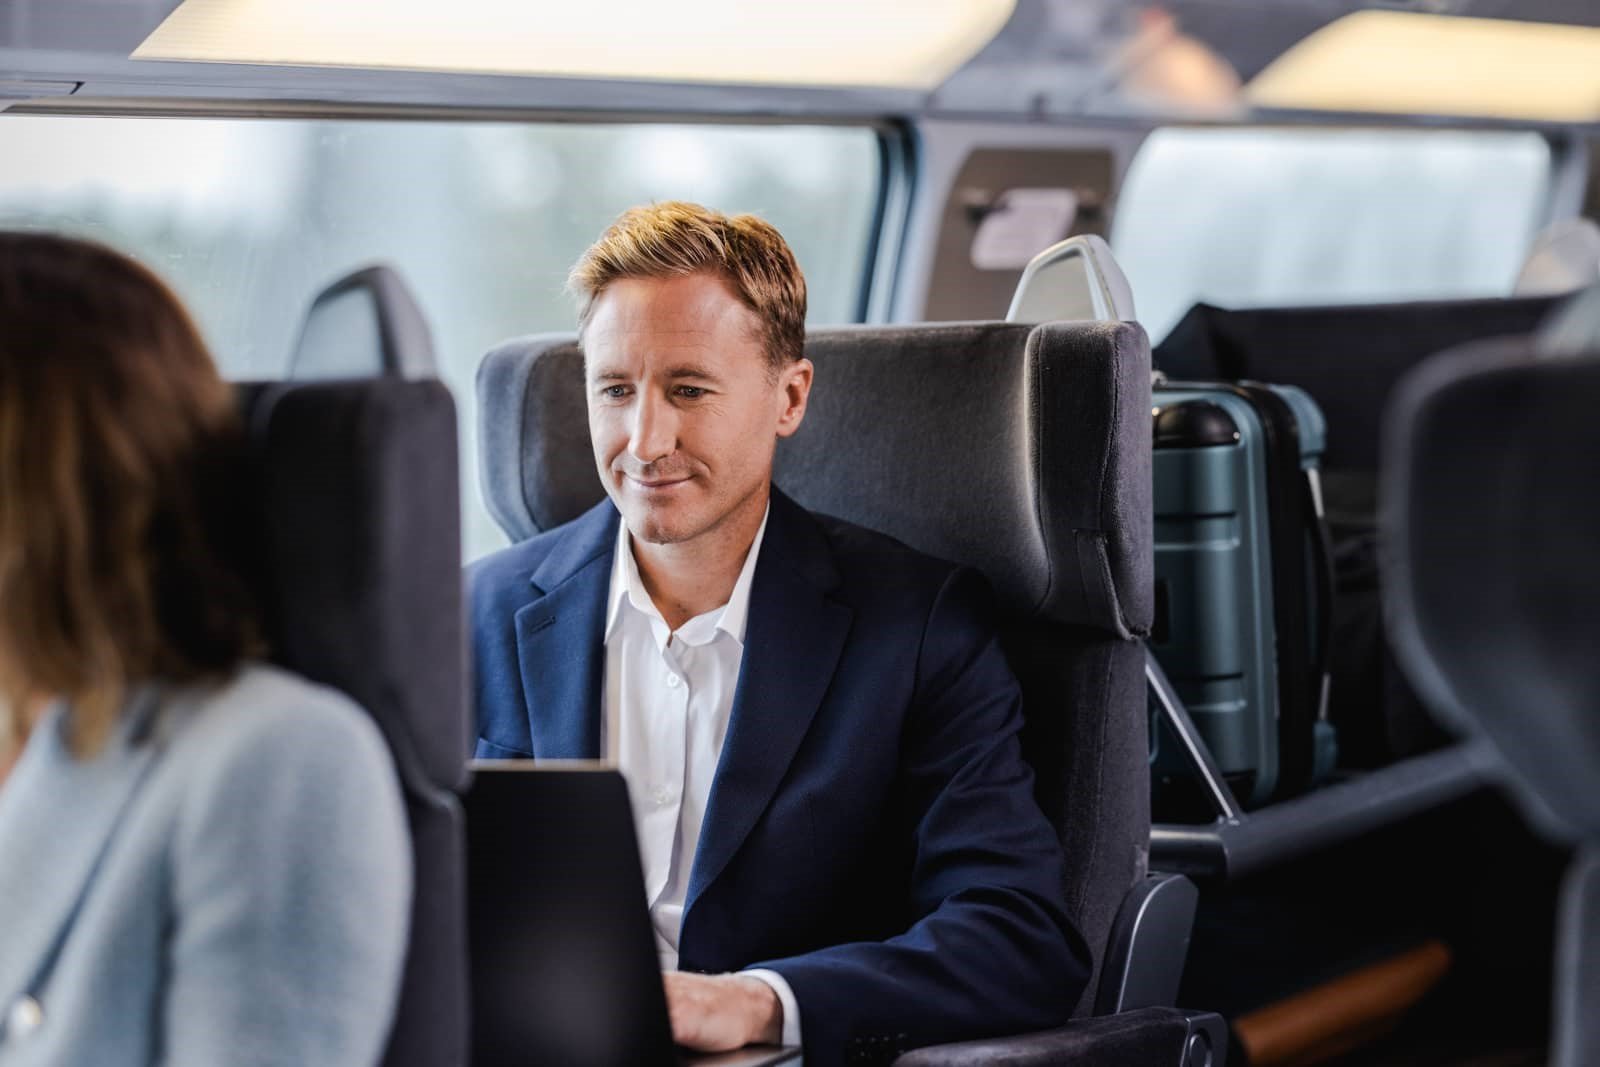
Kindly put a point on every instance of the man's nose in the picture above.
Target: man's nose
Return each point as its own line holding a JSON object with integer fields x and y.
{"x": 655, "y": 430}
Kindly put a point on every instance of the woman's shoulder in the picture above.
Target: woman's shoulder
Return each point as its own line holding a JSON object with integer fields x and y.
{"x": 265, "y": 717}
{"x": 266, "y": 689}
{"x": 294, "y": 768}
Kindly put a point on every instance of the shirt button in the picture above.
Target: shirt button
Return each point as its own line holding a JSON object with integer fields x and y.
{"x": 673, "y": 681}
{"x": 662, "y": 796}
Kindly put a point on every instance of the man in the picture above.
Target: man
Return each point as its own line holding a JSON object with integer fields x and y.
{"x": 817, "y": 726}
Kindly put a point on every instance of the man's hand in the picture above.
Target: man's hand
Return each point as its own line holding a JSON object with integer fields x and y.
{"x": 719, "y": 1012}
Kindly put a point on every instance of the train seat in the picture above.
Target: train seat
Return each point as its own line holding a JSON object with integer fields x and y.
{"x": 356, "y": 490}
{"x": 1032, "y": 451}
{"x": 1491, "y": 589}
{"x": 364, "y": 324}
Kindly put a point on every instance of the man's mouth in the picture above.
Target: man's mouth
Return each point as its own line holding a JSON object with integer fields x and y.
{"x": 656, "y": 483}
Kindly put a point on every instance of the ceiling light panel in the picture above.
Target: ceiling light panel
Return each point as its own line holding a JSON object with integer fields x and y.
{"x": 867, "y": 43}
{"x": 1404, "y": 63}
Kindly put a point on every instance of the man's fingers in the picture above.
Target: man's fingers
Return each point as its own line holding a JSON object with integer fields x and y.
{"x": 684, "y": 1012}
{"x": 699, "y": 1011}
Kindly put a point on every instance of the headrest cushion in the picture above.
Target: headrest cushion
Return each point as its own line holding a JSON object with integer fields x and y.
{"x": 358, "y": 492}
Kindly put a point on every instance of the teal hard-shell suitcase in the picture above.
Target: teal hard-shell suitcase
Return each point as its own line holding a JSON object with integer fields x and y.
{"x": 1243, "y": 584}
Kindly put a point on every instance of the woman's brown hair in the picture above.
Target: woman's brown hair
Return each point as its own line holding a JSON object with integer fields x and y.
{"x": 122, "y": 556}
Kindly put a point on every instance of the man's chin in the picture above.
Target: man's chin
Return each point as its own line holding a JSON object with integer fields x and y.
{"x": 654, "y": 527}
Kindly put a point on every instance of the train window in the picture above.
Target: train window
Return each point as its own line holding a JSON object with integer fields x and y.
{"x": 249, "y": 218}
{"x": 1253, "y": 217}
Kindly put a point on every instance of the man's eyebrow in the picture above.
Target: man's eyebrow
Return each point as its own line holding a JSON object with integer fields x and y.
{"x": 691, "y": 370}
{"x": 677, "y": 373}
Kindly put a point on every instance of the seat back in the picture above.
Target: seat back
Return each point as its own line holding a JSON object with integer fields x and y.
{"x": 1347, "y": 358}
{"x": 365, "y": 324}
{"x": 1491, "y": 592}
{"x": 1494, "y": 572}
{"x": 358, "y": 497}
{"x": 1021, "y": 451}
{"x": 1076, "y": 280}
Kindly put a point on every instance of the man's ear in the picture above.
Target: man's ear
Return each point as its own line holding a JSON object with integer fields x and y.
{"x": 795, "y": 381}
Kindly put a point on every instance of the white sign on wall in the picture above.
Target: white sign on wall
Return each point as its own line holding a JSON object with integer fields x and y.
{"x": 1023, "y": 223}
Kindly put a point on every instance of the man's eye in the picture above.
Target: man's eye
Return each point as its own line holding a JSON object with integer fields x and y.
{"x": 691, "y": 392}
{"x": 614, "y": 392}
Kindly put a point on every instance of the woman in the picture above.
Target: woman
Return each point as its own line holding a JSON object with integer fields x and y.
{"x": 203, "y": 859}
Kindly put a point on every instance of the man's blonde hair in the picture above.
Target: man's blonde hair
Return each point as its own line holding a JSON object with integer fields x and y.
{"x": 675, "y": 238}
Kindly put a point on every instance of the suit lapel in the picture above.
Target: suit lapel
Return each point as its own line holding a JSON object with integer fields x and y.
{"x": 57, "y": 815}
{"x": 792, "y": 643}
{"x": 561, "y": 639}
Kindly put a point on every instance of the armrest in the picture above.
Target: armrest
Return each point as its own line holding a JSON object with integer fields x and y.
{"x": 1148, "y": 945}
{"x": 1149, "y": 1037}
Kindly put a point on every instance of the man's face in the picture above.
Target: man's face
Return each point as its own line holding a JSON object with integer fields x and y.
{"x": 684, "y": 410}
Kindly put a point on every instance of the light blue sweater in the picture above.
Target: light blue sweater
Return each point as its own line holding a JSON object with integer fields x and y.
{"x": 227, "y": 882}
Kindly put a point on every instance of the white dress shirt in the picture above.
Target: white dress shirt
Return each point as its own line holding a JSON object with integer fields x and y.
{"x": 667, "y": 698}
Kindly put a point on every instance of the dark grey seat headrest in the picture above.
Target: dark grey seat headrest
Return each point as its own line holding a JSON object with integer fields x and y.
{"x": 358, "y": 492}
{"x": 365, "y": 324}
{"x": 1023, "y": 451}
{"x": 1494, "y": 568}
{"x": 535, "y": 464}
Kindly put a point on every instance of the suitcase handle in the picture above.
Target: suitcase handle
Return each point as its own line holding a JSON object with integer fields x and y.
{"x": 1322, "y": 568}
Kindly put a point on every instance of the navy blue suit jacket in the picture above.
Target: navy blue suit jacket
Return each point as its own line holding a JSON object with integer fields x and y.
{"x": 871, "y": 833}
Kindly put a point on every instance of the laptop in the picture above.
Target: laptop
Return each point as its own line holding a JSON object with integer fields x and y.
{"x": 564, "y": 966}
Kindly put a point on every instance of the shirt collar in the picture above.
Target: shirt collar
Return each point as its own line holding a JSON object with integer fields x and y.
{"x": 627, "y": 589}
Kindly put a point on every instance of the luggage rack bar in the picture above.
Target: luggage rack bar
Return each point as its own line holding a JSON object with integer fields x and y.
{"x": 1241, "y": 843}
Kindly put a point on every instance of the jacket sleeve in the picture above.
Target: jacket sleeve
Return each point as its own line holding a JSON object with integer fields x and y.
{"x": 291, "y": 889}
{"x": 496, "y": 587}
{"x": 991, "y": 950}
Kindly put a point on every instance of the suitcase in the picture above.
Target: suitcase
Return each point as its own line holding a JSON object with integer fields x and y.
{"x": 1244, "y": 590}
